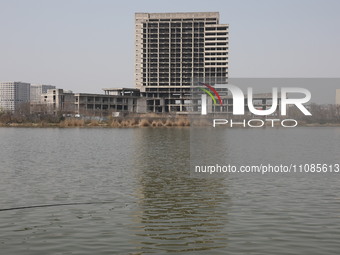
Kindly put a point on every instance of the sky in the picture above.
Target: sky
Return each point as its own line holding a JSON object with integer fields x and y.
{"x": 84, "y": 45}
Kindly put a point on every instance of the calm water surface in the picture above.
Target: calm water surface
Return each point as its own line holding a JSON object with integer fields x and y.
{"x": 154, "y": 205}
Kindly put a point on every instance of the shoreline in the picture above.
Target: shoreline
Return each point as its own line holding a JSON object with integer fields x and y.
{"x": 133, "y": 123}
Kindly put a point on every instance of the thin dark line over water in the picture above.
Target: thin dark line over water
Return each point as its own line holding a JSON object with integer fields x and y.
{"x": 53, "y": 205}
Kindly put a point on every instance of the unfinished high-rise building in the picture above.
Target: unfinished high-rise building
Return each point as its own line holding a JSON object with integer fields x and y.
{"x": 172, "y": 50}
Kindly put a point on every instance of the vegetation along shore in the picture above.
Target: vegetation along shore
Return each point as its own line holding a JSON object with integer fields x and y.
{"x": 134, "y": 121}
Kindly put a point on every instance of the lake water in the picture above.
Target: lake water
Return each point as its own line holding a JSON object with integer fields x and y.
{"x": 139, "y": 198}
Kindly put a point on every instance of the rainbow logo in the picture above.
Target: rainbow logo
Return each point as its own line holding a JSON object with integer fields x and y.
{"x": 212, "y": 89}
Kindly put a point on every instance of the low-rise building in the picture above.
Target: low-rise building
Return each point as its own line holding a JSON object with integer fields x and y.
{"x": 120, "y": 101}
{"x": 114, "y": 101}
{"x": 104, "y": 105}
{"x": 58, "y": 100}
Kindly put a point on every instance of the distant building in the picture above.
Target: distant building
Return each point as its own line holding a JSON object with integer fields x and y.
{"x": 337, "y": 97}
{"x": 13, "y": 95}
{"x": 58, "y": 100}
{"x": 172, "y": 50}
{"x": 37, "y": 90}
{"x": 114, "y": 101}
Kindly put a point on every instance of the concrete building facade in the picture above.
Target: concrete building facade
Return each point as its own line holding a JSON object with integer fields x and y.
{"x": 115, "y": 101}
{"x": 174, "y": 49}
{"x": 13, "y": 95}
{"x": 58, "y": 100}
{"x": 37, "y": 90}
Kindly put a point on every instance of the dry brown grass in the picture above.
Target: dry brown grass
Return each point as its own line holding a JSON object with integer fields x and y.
{"x": 93, "y": 123}
{"x": 72, "y": 123}
{"x": 144, "y": 123}
{"x": 157, "y": 123}
{"x": 115, "y": 123}
{"x": 182, "y": 122}
{"x": 124, "y": 123}
{"x": 168, "y": 123}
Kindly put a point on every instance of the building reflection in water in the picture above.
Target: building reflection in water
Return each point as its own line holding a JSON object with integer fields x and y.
{"x": 176, "y": 213}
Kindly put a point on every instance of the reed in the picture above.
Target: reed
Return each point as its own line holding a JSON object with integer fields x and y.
{"x": 144, "y": 123}
{"x": 149, "y": 120}
{"x": 72, "y": 123}
{"x": 182, "y": 122}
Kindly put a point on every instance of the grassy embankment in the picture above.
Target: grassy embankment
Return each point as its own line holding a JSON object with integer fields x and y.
{"x": 132, "y": 121}
{"x": 145, "y": 120}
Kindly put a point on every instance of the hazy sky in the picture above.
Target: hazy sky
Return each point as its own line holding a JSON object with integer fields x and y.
{"x": 89, "y": 45}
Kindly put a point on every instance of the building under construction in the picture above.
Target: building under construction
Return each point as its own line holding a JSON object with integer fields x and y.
{"x": 172, "y": 50}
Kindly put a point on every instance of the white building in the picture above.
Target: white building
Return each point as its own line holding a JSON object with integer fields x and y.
{"x": 337, "y": 97}
{"x": 13, "y": 94}
{"x": 37, "y": 90}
